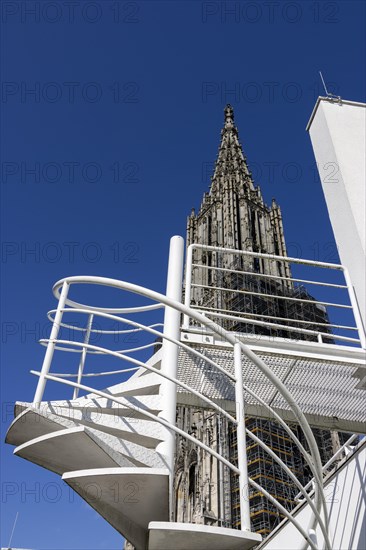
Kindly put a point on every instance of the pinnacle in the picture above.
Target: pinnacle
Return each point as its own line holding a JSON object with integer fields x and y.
{"x": 231, "y": 161}
{"x": 229, "y": 117}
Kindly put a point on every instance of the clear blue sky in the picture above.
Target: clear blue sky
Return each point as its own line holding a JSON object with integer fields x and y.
{"x": 131, "y": 95}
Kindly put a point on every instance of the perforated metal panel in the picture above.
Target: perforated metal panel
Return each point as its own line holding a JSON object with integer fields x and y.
{"x": 325, "y": 389}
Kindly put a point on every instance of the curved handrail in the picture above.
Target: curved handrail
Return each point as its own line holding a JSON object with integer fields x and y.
{"x": 93, "y": 374}
{"x": 45, "y": 341}
{"x": 148, "y": 328}
{"x": 96, "y": 331}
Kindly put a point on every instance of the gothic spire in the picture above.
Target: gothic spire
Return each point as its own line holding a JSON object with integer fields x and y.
{"x": 231, "y": 162}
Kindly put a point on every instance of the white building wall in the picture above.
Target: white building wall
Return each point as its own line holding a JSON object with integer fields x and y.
{"x": 346, "y": 503}
{"x": 338, "y": 135}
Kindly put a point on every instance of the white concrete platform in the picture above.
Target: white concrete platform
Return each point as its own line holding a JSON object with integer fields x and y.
{"x": 193, "y": 536}
{"x": 128, "y": 498}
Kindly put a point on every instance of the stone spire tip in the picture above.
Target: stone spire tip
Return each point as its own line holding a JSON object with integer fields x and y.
{"x": 229, "y": 116}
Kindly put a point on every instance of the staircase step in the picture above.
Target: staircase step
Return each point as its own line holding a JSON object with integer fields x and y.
{"x": 101, "y": 405}
{"x": 137, "y": 454}
{"x": 31, "y": 423}
{"x": 180, "y": 536}
{"x": 70, "y": 449}
{"x": 147, "y": 384}
{"x": 132, "y": 428}
{"x": 143, "y": 432}
{"x": 128, "y": 498}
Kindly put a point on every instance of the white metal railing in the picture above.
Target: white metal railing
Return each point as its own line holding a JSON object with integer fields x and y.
{"x": 170, "y": 344}
{"x": 205, "y": 270}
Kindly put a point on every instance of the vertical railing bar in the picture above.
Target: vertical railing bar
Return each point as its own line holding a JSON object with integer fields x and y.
{"x": 241, "y": 445}
{"x": 51, "y": 346}
{"x": 83, "y": 355}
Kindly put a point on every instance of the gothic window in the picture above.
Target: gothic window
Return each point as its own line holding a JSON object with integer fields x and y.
{"x": 192, "y": 477}
{"x": 209, "y": 271}
{"x": 191, "y": 491}
{"x": 192, "y": 481}
{"x": 209, "y": 230}
{"x": 259, "y": 232}
{"x": 253, "y": 231}
{"x": 238, "y": 221}
{"x": 178, "y": 495}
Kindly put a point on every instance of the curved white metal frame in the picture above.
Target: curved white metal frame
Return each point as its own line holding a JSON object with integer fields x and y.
{"x": 61, "y": 289}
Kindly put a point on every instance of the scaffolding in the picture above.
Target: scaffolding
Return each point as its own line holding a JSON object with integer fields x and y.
{"x": 263, "y": 469}
{"x": 263, "y": 299}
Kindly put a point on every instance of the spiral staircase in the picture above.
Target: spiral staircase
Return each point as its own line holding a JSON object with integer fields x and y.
{"x": 115, "y": 447}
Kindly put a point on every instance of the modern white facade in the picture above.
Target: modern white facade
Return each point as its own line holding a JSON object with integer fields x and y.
{"x": 337, "y": 131}
{"x": 345, "y": 496}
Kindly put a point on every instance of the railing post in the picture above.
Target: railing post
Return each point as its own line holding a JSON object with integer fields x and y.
{"x": 169, "y": 363}
{"x": 51, "y": 346}
{"x": 242, "y": 444}
{"x": 83, "y": 355}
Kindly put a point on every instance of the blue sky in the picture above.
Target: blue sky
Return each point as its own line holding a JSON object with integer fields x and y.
{"x": 104, "y": 159}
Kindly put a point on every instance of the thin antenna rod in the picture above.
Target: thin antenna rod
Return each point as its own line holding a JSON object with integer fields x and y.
{"x": 329, "y": 94}
{"x": 12, "y": 533}
{"x": 325, "y": 88}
